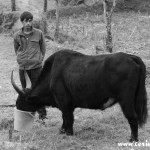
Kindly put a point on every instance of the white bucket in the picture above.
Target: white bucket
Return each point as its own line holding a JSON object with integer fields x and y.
{"x": 23, "y": 120}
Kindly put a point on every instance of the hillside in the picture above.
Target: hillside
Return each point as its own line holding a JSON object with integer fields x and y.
{"x": 32, "y": 5}
{"x": 36, "y": 7}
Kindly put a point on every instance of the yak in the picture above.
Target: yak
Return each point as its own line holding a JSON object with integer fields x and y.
{"x": 70, "y": 80}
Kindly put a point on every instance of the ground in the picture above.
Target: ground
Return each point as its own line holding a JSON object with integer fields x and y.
{"x": 94, "y": 129}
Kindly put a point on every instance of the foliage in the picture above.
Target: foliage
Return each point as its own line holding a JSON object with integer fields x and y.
{"x": 76, "y": 11}
{"x": 7, "y": 20}
{"x": 65, "y": 2}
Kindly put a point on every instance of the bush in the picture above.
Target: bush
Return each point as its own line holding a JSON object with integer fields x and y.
{"x": 69, "y": 2}
{"x": 76, "y": 11}
{"x": 65, "y": 2}
{"x": 7, "y": 20}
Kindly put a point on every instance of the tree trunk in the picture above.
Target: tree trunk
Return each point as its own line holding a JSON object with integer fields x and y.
{"x": 56, "y": 36}
{"x": 108, "y": 17}
{"x": 44, "y": 23}
{"x": 45, "y": 6}
{"x": 13, "y": 5}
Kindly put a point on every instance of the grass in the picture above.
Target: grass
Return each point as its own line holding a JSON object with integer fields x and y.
{"x": 94, "y": 130}
{"x": 130, "y": 32}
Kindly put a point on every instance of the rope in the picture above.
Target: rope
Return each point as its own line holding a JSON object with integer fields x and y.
{"x": 7, "y": 106}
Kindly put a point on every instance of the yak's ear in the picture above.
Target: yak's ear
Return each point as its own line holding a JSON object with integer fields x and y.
{"x": 28, "y": 81}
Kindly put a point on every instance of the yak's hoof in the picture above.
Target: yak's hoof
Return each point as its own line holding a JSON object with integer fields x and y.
{"x": 63, "y": 131}
{"x": 133, "y": 140}
{"x": 69, "y": 133}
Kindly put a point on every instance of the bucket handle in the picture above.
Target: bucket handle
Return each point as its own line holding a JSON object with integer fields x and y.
{"x": 31, "y": 114}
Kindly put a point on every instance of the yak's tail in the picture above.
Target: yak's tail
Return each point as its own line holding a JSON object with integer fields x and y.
{"x": 141, "y": 94}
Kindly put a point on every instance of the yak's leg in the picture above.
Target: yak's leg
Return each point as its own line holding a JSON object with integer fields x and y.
{"x": 126, "y": 101}
{"x": 63, "y": 127}
{"x": 63, "y": 101}
{"x": 134, "y": 129}
{"x": 129, "y": 112}
{"x": 68, "y": 120}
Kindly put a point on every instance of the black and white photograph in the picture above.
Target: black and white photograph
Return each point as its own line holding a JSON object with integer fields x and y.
{"x": 74, "y": 74}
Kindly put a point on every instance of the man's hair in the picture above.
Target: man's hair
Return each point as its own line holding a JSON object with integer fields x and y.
{"x": 26, "y": 16}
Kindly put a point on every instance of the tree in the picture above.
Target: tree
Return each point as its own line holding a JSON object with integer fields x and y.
{"x": 45, "y": 6}
{"x": 56, "y": 36}
{"x": 44, "y": 23}
{"x": 108, "y": 11}
{"x": 13, "y": 5}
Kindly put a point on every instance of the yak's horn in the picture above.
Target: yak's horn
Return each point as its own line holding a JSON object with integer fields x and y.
{"x": 18, "y": 90}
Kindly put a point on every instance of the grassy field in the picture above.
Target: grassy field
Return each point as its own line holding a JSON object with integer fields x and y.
{"x": 94, "y": 129}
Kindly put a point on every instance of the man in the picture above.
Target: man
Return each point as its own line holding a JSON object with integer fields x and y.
{"x": 29, "y": 45}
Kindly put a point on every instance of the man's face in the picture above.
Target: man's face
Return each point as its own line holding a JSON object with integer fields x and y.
{"x": 27, "y": 24}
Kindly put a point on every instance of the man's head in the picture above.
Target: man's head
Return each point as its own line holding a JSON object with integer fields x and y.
{"x": 27, "y": 19}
